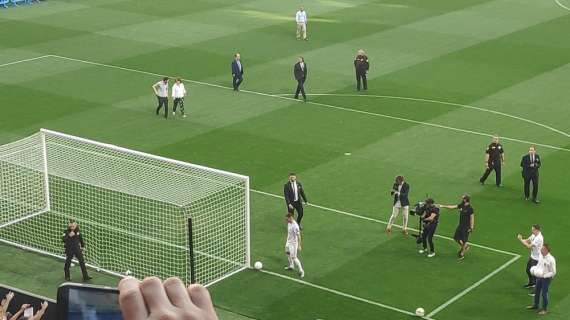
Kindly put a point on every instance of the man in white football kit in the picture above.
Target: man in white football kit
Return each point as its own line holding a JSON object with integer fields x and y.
{"x": 293, "y": 244}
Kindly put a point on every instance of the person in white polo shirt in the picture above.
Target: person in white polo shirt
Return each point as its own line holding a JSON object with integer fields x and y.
{"x": 161, "y": 91}
{"x": 178, "y": 94}
{"x": 534, "y": 242}
{"x": 545, "y": 272}
{"x": 301, "y": 19}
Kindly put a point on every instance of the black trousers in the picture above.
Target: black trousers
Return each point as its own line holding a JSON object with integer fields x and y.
{"x": 493, "y": 166}
{"x": 300, "y": 89}
{"x": 427, "y": 236}
{"x": 237, "y": 80}
{"x": 527, "y": 180}
{"x": 297, "y": 206}
{"x": 178, "y": 101}
{"x": 162, "y": 101}
{"x": 361, "y": 76}
{"x": 531, "y": 263}
{"x": 79, "y": 255}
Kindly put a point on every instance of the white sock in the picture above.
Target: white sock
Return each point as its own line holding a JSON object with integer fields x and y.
{"x": 290, "y": 262}
{"x": 298, "y": 264}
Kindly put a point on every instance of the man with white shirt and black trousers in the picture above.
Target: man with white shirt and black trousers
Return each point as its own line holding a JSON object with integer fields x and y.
{"x": 300, "y": 73}
{"x": 534, "y": 243}
{"x": 293, "y": 192}
{"x": 530, "y": 164}
{"x": 161, "y": 91}
{"x": 178, "y": 94}
{"x": 546, "y": 268}
{"x": 400, "y": 191}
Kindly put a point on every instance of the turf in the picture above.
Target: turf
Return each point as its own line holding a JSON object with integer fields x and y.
{"x": 503, "y": 56}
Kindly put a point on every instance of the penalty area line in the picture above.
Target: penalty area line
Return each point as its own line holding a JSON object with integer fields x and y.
{"x": 343, "y": 294}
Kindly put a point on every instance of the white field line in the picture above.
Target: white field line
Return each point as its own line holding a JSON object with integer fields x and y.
{"x": 466, "y": 106}
{"x": 343, "y": 294}
{"x": 473, "y": 286}
{"x": 353, "y": 215}
{"x": 316, "y": 103}
{"x": 25, "y": 60}
{"x": 562, "y": 5}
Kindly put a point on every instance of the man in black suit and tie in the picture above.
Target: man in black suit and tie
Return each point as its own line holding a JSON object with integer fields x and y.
{"x": 530, "y": 164}
{"x": 293, "y": 192}
{"x": 300, "y": 72}
{"x": 400, "y": 191}
{"x": 237, "y": 71}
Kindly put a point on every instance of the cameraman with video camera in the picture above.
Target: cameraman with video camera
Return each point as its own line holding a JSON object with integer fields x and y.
{"x": 430, "y": 217}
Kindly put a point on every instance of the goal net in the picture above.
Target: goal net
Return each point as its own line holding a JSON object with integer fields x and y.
{"x": 139, "y": 214}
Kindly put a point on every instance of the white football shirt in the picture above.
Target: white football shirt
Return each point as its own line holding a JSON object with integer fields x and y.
{"x": 178, "y": 90}
{"x": 293, "y": 232}
{"x": 535, "y": 246}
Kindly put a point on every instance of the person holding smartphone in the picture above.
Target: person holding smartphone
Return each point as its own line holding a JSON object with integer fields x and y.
{"x": 74, "y": 246}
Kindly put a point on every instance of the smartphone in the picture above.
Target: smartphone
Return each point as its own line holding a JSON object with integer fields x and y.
{"x": 77, "y": 301}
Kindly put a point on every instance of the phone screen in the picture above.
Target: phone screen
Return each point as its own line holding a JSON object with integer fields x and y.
{"x": 93, "y": 305}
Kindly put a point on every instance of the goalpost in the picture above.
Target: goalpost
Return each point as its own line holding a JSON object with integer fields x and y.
{"x": 140, "y": 214}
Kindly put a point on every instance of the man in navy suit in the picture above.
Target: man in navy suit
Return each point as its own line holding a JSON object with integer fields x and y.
{"x": 530, "y": 164}
{"x": 293, "y": 192}
{"x": 237, "y": 71}
{"x": 300, "y": 73}
{"x": 400, "y": 191}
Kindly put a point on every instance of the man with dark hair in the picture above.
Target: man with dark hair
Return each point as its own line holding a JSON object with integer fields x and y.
{"x": 530, "y": 164}
{"x": 466, "y": 224}
{"x": 361, "y": 65}
{"x": 430, "y": 218}
{"x": 494, "y": 159}
{"x": 534, "y": 243}
{"x": 161, "y": 91}
{"x": 300, "y": 73}
{"x": 74, "y": 246}
{"x": 293, "y": 244}
{"x": 545, "y": 272}
{"x": 237, "y": 72}
{"x": 293, "y": 192}
{"x": 400, "y": 191}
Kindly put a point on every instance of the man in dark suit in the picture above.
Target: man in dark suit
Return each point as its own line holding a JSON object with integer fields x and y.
{"x": 237, "y": 71}
{"x": 400, "y": 191}
{"x": 293, "y": 192}
{"x": 300, "y": 72}
{"x": 74, "y": 246}
{"x": 530, "y": 164}
{"x": 361, "y": 65}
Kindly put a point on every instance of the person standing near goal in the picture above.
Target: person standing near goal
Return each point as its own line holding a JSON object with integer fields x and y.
{"x": 293, "y": 244}
{"x": 293, "y": 192}
{"x": 74, "y": 246}
{"x": 400, "y": 191}
{"x": 161, "y": 91}
{"x": 178, "y": 95}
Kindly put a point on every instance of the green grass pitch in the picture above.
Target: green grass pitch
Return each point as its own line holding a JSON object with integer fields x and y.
{"x": 445, "y": 75}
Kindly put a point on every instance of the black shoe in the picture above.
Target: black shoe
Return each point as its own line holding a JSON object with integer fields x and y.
{"x": 86, "y": 279}
{"x": 297, "y": 97}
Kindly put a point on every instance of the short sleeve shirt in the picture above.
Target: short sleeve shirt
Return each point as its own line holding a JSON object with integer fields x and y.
{"x": 494, "y": 150}
{"x": 465, "y": 212}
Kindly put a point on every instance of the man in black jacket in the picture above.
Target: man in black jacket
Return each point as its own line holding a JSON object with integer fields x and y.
{"x": 74, "y": 246}
{"x": 530, "y": 164}
{"x": 300, "y": 72}
{"x": 400, "y": 191}
{"x": 293, "y": 192}
{"x": 361, "y": 65}
{"x": 494, "y": 159}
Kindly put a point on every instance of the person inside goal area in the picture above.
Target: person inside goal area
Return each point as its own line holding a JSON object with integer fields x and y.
{"x": 74, "y": 246}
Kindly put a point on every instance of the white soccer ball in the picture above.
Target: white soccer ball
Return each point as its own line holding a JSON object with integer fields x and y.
{"x": 258, "y": 265}
{"x": 536, "y": 271}
{"x": 420, "y": 312}
{"x": 128, "y": 272}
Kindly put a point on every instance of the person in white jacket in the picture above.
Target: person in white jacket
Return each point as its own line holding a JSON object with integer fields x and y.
{"x": 544, "y": 272}
{"x": 178, "y": 95}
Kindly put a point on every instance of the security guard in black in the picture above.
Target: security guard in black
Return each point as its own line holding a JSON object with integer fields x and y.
{"x": 74, "y": 245}
{"x": 494, "y": 159}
